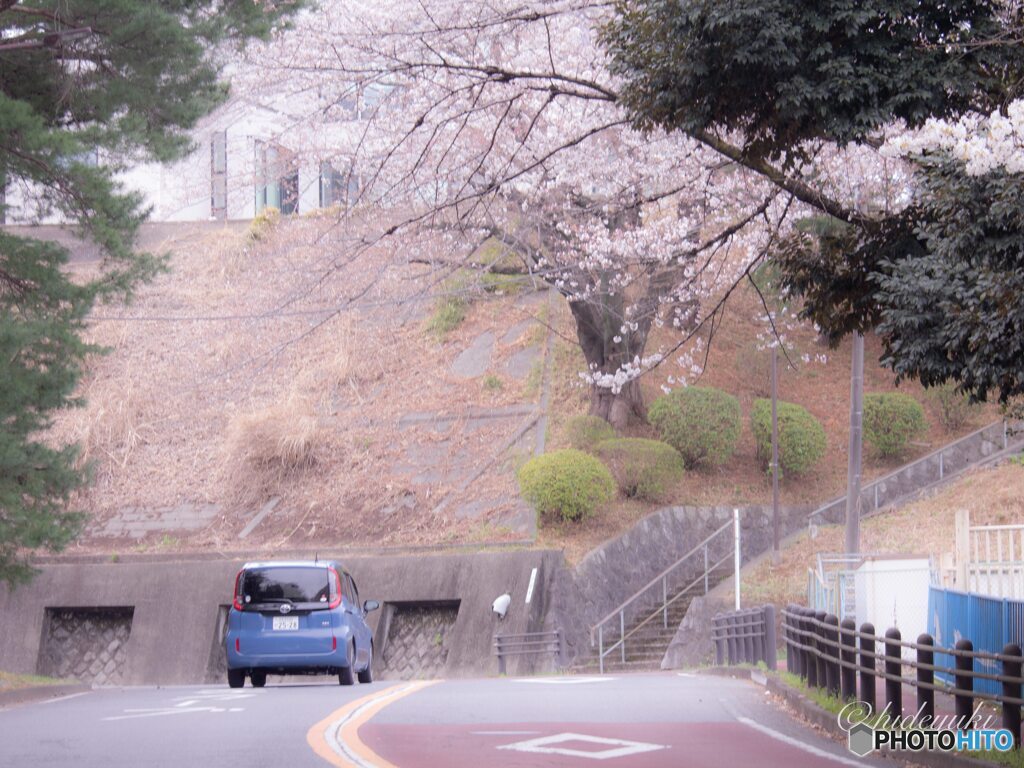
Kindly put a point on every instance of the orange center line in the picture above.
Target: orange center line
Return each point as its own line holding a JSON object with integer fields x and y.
{"x": 336, "y": 737}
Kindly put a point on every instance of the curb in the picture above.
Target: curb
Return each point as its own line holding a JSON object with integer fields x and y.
{"x": 37, "y": 693}
{"x": 816, "y": 715}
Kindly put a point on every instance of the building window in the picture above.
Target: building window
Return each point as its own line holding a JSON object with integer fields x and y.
{"x": 219, "y": 175}
{"x": 338, "y": 187}
{"x": 277, "y": 178}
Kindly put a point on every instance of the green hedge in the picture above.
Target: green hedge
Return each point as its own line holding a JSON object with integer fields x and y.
{"x": 702, "y": 423}
{"x": 585, "y": 432}
{"x": 570, "y": 483}
{"x": 644, "y": 469}
{"x": 801, "y": 436}
{"x": 891, "y": 421}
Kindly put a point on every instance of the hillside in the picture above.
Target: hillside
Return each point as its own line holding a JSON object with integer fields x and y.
{"x": 993, "y": 496}
{"x": 377, "y": 403}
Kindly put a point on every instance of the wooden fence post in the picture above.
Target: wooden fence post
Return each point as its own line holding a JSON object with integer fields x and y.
{"x": 848, "y": 672}
{"x": 926, "y": 678}
{"x": 867, "y": 665}
{"x": 964, "y": 704}
{"x": 1011, "y": 712}
{"x": 833, "y": 651}
{"x": 893, "y": 667}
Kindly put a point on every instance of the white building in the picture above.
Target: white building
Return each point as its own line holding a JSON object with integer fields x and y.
{"x": 248, "y": 156}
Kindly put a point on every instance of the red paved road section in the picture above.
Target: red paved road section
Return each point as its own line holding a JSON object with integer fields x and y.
{"x": 689, "y": 745}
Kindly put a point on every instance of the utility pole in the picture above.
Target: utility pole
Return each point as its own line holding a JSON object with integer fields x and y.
{"x": 856, "y": 443}
{"x": 776, "y": 552}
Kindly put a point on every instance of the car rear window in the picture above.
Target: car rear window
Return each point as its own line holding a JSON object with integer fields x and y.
{"x": 278, "y": 585}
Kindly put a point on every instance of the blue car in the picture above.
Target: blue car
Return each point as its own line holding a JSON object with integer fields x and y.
{"x": 298, "y": 618}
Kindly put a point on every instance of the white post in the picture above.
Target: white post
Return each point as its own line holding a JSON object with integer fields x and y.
{"x": 736, "y": 554}
{"x": 962, "y": 539}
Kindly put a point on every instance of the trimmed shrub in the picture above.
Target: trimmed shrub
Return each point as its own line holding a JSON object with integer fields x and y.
{"x": 891, "y": 421}
{"x": 585, "y": 432}
{"x": 801, "y": 436}
{"x": 955, "y": 408}
{"x": 702, "y": 423}
{"x": 570, "y": 483}
{"x": 641, "y": 468}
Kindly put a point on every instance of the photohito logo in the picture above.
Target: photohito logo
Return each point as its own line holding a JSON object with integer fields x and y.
{"x": 919, "y": 733}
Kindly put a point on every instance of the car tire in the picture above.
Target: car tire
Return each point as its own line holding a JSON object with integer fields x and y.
{"x": 366, "y": 676}
{"x": 236, "y": 678}
{"x": 346, "y": 676}
{"x": 258, "y": 678}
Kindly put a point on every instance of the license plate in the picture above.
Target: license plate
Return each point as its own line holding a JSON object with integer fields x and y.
{"x": 286, "y": 622}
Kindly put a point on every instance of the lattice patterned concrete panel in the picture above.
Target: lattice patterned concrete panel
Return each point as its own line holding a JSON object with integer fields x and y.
{"x": 85, "y": 644}
{"x": 417, "y": 646}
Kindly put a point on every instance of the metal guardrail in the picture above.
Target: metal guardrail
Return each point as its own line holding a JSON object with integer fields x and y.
{"x": 745, "y": 637}
{"x": 830, "y": 654}
{"x": 530, "y": 644}
{"x": 1002, "y": 436}
{"x": 701, "y": 550}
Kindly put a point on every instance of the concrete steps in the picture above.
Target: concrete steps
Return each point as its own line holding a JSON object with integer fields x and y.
{"x": 645, "y": 647}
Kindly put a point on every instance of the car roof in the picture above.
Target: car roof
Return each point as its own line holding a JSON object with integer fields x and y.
{"x": 292, "y": 564}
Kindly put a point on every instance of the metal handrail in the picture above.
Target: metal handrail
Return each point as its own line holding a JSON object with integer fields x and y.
{"x": 604, "y": 652}
{"x": 665, "y": 602}
{"x": 630, "y": 600}
{"x": 937, "y": 452}
{"x": 529, "y": 644}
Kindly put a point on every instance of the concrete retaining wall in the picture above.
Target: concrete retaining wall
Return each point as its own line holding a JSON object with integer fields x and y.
{"x": 612, "y": 573}
{"x": 928, "y": 470}
{"x": 176, "y": 607}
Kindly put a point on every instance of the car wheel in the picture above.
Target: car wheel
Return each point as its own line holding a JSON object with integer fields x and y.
{"x": 366, "y": 676}
{"x": 236, "y": 678}
{"x": 258, "y": 678}
{"x": 345, "y": 676}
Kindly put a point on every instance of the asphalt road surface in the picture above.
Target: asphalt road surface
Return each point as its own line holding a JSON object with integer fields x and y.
{"x": 639, "y": 721}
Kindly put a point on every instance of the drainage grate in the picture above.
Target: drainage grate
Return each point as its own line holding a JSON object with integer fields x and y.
{"x": 417, "y": 639}
{"x": 85, "y": 644}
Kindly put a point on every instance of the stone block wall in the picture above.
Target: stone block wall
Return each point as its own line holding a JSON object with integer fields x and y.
{"x": 85, "y": 644}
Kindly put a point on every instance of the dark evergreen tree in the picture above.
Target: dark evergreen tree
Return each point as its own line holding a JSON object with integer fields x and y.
{"x": 941, "y": 281}
{"x": 123, "y": 80}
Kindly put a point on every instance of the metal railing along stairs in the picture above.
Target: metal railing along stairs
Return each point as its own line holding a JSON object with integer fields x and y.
{"x": 652, "y": 602}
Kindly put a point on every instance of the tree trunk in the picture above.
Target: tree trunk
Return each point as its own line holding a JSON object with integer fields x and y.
{"x": 620, "y": 410}
{"x": 596, "y": 330}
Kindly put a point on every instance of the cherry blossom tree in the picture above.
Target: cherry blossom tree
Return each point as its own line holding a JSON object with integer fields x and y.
{"x": 498, "y": 125}
{"x": 552, "y": 129}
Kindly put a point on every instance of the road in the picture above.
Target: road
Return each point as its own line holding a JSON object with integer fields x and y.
{"x": 640, "y": 721}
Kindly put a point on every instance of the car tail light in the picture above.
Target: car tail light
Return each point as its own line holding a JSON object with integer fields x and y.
{"x": 334, "y": 643}
{"x": 238, "y": 645}
{"x": 336, "y": 597}
{"x": 236, "y": 600}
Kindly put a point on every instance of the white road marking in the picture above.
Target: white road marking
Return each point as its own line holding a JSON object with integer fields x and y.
{"x": 618, "y": 747}
{"x": 133, "y": 714}
{"x": 65, "y": 698}
{"x": 563, "y": 680}
{"x": 503, "y": 733}
{"x": 800, "y": 744}
{"x": 686, "y": 674}
{"x": 197, "y": 702}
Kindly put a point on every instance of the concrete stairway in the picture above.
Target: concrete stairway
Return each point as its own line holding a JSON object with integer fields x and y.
{"x": 645, "y": 647}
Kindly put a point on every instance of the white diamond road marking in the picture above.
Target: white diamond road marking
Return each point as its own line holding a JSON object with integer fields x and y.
{"x": 564, "y": 680}
{"x": 543, "y": 746}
